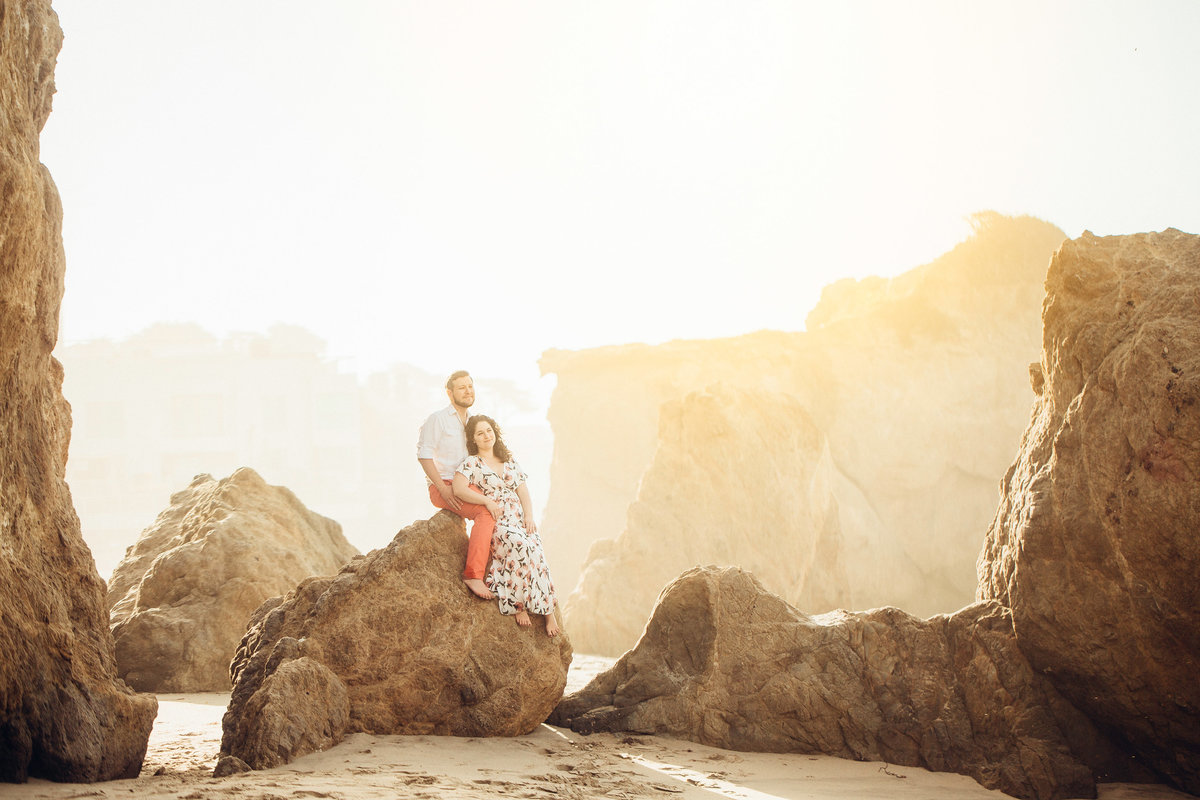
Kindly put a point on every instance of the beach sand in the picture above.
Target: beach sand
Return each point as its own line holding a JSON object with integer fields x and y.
{"x": 550, "y": 762}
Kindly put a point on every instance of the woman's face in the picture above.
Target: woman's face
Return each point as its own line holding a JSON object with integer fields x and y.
{"x": 484, "y": 437}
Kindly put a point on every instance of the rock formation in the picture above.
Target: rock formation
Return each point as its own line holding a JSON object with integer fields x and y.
{"x": 917, "y": 387}
{"x": 395, "y": 643}
{"x": 1096, "y": 543}
{"x": 182, "y": 596}
{"x": 725, "y": 663}
{"x": 64, "y": 715}
{"x": 702, "y": 501}
{"x": 1080, "y": 656}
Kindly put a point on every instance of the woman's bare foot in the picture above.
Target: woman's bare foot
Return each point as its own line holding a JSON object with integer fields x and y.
{"x": 479, "y": 588}
{"x": 551, "y": 626}
{"x": 523, "y": 619}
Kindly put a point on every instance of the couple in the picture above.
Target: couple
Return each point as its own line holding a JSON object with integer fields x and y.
{"x": 471, "y": 473}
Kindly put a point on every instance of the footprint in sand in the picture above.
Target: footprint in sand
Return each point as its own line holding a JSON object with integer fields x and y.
{"x": 418, "y": 779}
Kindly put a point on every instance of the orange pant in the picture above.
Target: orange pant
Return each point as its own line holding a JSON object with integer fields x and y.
{"x": 479, "y": 548}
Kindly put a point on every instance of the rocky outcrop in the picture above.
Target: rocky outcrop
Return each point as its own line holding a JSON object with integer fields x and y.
{"x": 64, "y": 715}
{"x": 917, "y": 387}
{"x": 181, "y": 597}
{"x": 702, "y": 501}
{"x": 1095, "y": 545}
{"x": 395, "y": 643}
{"x": 725, "y": 663}
{"x": 1080, "y": 656}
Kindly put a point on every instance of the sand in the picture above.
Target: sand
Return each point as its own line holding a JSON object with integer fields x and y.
{"x": 548, "y": 763}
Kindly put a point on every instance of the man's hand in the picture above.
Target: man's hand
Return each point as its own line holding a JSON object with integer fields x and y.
{"x": 493, "y": 508}
{"x": 447, "y": 494}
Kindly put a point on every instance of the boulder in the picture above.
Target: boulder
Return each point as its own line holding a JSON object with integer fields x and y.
{"x": 1095, "y": 545}
{"x": 916, "y": 384}
{"x": 738, "y": 478}
{"x": 725, "y": 663}
{"x": 181, "y": 597}
{"x": 64, "y": 714}
{"x": 394, "y": 644}
{"x": 301, "y": 707}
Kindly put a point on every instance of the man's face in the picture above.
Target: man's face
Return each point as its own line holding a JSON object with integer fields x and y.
{"x": 462, "y": 392}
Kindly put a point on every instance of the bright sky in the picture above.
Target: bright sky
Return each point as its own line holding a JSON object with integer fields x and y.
{"x": 467, "y": 184}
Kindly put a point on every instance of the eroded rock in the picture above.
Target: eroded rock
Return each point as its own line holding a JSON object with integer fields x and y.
{"x": 64, "y": 715}
{"x": 301, "y": 707}
{"x": 726, "y": 663}
{"x": 181, "y": 597}
{"x": 1095, "y": 545}
{"x": 917, "y": 384}
{"x": 415, "y": 651}
{"x": 703, "y": 500}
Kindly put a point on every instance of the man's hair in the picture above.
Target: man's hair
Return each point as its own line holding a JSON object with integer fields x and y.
{"x": 462, "y": 373}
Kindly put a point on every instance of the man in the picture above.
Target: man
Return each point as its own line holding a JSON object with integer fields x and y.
{"x": 441, "y": 447}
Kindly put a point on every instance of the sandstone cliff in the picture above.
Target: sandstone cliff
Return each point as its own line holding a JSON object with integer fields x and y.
{"x": 395, "y": 643}
{"x": 64, "y": 715}
{"x": 725, "y": 663}
{"x": 1096, "y": 543}
{"x": 918, "y": 390}
{"x": 1080, "y": 657}
{"x": 181, "y": 598}
{"x": 701, "y": 501}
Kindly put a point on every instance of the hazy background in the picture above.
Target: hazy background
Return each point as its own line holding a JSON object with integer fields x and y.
{"x": 448, "y": 185}
{"x": 153, "y": 410}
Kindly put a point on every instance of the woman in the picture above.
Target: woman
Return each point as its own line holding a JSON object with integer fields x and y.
{"x": 518, "y": 573}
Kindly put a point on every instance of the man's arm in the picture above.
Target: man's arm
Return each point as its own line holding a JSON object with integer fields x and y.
{"x": 439, "y": 485}
{"x": 426, "y": 441}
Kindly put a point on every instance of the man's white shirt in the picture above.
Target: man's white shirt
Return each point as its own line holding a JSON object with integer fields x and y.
{"x": 444, "y": 439}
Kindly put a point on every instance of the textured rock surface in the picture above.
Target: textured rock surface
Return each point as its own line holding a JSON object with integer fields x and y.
{"x": 702, "y": 501}
{"x": 63, "y": 713}
{"x": 918, "y": 386}
{"x": 301, "y": 707}
{"x": 415, "y": 651}
{"x": 182, "y": 596}
{"x": 1096, "y": 543}
{"x": 725, "y": 663}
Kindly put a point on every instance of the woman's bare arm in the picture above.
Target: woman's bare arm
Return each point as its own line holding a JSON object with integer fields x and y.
{"x": 527, "y": 507}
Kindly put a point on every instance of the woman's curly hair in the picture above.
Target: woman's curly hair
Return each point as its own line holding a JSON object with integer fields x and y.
{"x": 499, "y": 448}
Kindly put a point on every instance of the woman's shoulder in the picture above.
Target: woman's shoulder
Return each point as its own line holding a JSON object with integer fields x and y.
{"x": 470, "y": 462}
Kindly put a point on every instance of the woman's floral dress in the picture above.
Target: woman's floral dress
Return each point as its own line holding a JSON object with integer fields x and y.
{"x": 518, "y": 573}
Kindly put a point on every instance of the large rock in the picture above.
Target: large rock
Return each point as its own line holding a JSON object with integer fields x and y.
{"x": 917, "y": 386}
{"x": 64, "y": 715}
{"x": 1096, "y": 543}
{"x": 182, "y": 596}
{"x": 725, "y": 663}
{"x": 395, "y": 643}
{"x": 703, "y": 501}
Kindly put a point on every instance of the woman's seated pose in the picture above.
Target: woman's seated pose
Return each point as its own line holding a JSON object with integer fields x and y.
{"x": 518, "y": 573}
